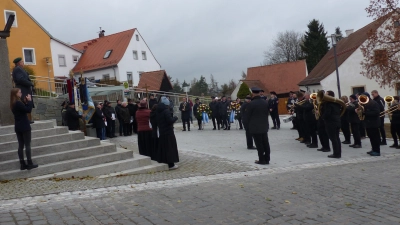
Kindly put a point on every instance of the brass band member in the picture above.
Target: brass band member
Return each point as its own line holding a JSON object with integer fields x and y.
{"x": 395, "y": 123}
{"x": 372, "y": 123}
{"x": 354, "y": 121}
{"x": 345, "y": 123}
{"x": 331, "y": 116}
{"x": 184, "y": 107}
{"x": 299, "y": 118}
{"x": 310, "y": 122}
{"x": 249, "y": 138}
{"x": 289, "y": 105}
{"x": 214, "y": 112}
{"x": 273, "y": 110}
{"x": 378, "y": 99}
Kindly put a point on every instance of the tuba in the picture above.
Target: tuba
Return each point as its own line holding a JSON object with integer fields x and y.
{"x": 313, "y": 97}
{"x": 322, "y": 97}
{"x": 362, "y": 100}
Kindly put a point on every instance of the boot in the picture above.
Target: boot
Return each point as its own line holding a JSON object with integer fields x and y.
{"x": 23, "y": 164}
{"x": 31, "y": 165}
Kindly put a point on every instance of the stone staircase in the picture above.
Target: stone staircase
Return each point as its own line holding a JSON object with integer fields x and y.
{"x": 64, "y": 154}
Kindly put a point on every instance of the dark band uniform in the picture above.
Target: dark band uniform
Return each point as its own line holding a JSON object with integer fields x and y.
{"x": 184, "y": 107}
{"x": 310, "y": 128}
{"x": 354, "y": 124}
{"x": 273, "y": 106}
{"x": 331, "y": 117}
{"x": 381, "y": 104}
{"x": 214, "y": 113}
{"x": 249, "y": 138}
{"x": 372, "y": 123}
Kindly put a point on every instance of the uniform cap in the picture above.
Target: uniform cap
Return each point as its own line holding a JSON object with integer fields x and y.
{"x": 256, "y": 90}
{"x": 273, "y": 93}
{"x": 17, "y": 60}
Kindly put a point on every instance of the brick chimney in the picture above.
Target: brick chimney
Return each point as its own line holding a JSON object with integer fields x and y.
{"x": 101, "y": 33}
{"x": 348, "y": 32}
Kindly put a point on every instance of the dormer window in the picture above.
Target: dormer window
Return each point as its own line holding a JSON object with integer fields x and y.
{"x": 108, "y": 53}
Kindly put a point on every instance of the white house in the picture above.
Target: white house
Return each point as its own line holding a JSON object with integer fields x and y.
{"x": 349, "y": 57}
{"x": 122, "y": 56}
{"x": 64, "y": 57}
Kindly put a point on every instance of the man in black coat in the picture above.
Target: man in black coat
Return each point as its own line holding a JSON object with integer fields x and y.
{"x": 289, "y": 106}
{"x": 22, "y": 81}
{"x": 257, "y": 115}
{"x": 299, "y": 118}
{"x": 239, "y": 114}
{"x": 249, "y": 138}
{"x": 110, "y": 115}
{"x": 196, "y": 112}
{"x": 184, "y": 107}
{"x": 152, "y": 101}
{"x": 331, "y": 117}
{"x": 378, "y": 99}
{"x": 310, "y": 122}
{"x": 273, "y": 110}
{"x": 223, "y": 113}
{"x": 372, "y": 123}
{"x": 98, "y": 121}
{"x": 354, "y": 121}
{"x": 120, "y": 121}
{"x": 214, "y": 112}
{"x": 132, "y": 127}
{"x": 72, "y": 117}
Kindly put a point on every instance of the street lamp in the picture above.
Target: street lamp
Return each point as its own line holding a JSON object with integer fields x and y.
{"x": 334, "y": 42}
{"x": 48, "y": 70}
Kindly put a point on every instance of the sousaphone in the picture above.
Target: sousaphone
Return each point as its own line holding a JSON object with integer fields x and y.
{"x": 322, "y": 97}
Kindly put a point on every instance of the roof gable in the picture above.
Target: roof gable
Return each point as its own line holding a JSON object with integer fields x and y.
{"x": 281, "y": 78}
{"x": 94, "y": 51}
{"x": 344, "y": 48}
{"x": 255, "y": 83}
{"x": 155, "y": 81}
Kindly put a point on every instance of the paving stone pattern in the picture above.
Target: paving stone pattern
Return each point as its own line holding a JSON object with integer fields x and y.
{"x": 357, "y": 193}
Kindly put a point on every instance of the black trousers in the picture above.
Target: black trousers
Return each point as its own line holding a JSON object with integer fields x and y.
{"x": 312, "y": 132}
{"x": 126, "y": 128}
{"x": 262, "y": 144}
{"x": 374, "y": 138}
{"x": 362, "y": 129}
{"x": 249, "y": 139}
{"x": 199, "y": 122}
{"x": 121, "y": 126}
{"x": 110, "y": 128}
{"x": 300, "y": 127}
{"x": 215, "y": 121}
{"x": 239, "y": 119}
{"x": 294, "y": 123}
{"x": 333, "y": 135}
{"x": 275, "y": 119}
{"x": 395, "y": 131}
{"x": 184, "y": 122}
{"x": 345, "y": 126}
{"x": 355, "y": 130}
{"x": 382, "y": 129}
{"x": 24, "y": 139}
{"x": 224, "y": 121}
{"x": 323, "y": 136}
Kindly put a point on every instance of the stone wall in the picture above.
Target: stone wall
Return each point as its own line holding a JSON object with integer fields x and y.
{"x": 47, "y": 108}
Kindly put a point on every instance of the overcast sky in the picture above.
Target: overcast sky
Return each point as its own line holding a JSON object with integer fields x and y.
{"x": 197, "y": 37}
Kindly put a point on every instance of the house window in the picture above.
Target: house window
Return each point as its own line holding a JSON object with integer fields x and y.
{"x": 61, "y": 61}
{"x": 75, "y": 58}
{"x": 137, "y": 37}
{"x": 106, "y": 77}
{"x": 135, "y": 55}
{"x": 8, "y": 13}
{"x": 108, "y": 53}
{"x": 129, "y": 76}
{"x": 29, "y": 56}
{"x": 144, "y": 57}
{"x": 360, "y": 89}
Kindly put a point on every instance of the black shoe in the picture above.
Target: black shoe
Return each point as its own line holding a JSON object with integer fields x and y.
{"x": 189, "y": 129}
{"x": 370, "y": 152}
{"x": 307, "y": 143}
{"x": 225, "y": 128}
{"x": 326, "y": 150}
{"x": 312, "y": 146}
{"x": 184, "y": 130}
{"x": 394, "y": 146}
{"x": 241, "y": 128}
{"x": 357, "y": 146}
{"x": 375, "y": 154}
{"x": 251, "y": 148}
{"x": 261, "y": 162}
{"x": 229, "y": 128}
{"x": 23, "y": 164}
{"x": 31, "y": 165}
{"x": 346, "y": 142}
{"x": 334, "y": 156}
{"x": 320, "y": 149}
{"x": 273, "y": 128}
{"x": 383, "y": 143}
{"x": 278, "y": 128}
{"x": 214, "y": 128}
{"x": 31, "y": 122}
{"x": 352, "y": 145}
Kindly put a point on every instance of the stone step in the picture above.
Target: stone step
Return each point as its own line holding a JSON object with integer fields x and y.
{"x": 72, "y": 135}
{"x": 62, "y": 156}
{"x": 35, "y": 134}
{"x": 53, "y": 148}
{"x": 103, "y": 169}
{"x": 152, "y": 168}
{"x": 97, "y": 162}
{"x": 38, "y": 125}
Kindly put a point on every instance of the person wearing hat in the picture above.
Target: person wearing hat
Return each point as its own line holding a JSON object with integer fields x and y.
{"x": 167, "y": 151}
{"x": 184, "y": 107}
{"x": 98, "y": 121}
{"x": 197, "y": 114}
{"x": 372, "y": 123}
{"x": 354, "y": 121}
{"x": 144, "y": 138}
{"x": 249, "y": 138}
{"x": 273, "y": 110}
{"x": 72, "y": 117}
{"x": 109, "y": 113}
{"x": 378, "y": 99}
{"x": 214, "y": 112}
{"x": 22, "y": 81}
{"x": 262, "y": 95}
{"x": 257, "y": 115}
{"x": 223, "y": 113}
{"x": 64, "y": 108}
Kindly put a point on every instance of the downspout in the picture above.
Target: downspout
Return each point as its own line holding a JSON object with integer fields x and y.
{"x": 113, "y": 67}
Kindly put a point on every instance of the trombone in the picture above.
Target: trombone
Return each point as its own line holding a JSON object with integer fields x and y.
{"x": 389, "y": 100}
{"x": 390, "y": 110}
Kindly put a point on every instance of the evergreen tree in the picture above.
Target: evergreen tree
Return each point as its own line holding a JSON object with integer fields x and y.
{"x": 315, "y": 44}
{"x": 199, "y": 86}
{"x": 184, "y": 84}
{"x": 339, "y": 34}
{"x": 244, "y": 90}
{"x": 177, "y": 87}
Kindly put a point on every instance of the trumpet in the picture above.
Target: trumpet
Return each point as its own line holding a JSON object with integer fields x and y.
{"x": 362, "y": 99}
{"x": 300, "y": 102}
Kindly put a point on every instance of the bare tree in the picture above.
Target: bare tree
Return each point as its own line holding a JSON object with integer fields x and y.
{"x": 285, "y": 48}
{"x": 213, "y": 86}
{"x": 382, "y": 49}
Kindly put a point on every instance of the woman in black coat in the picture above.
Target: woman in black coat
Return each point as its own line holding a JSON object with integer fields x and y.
{"x": 167, "y": 146}
{"x": 153, "y": 122}
{"x": 72, "y": 117}
{"x": 22, "y": 126}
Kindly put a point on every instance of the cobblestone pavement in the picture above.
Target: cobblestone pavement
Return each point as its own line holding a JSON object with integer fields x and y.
{"x": 353, "y": 192}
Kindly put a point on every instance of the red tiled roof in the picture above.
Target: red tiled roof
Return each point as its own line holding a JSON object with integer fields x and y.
{"x": 255, "y": 83}
{"x": 153, "y": 80}
{"x": 344, "y": 48}
{"x": 94, "y": 51}
{"x": 281, "y": 78}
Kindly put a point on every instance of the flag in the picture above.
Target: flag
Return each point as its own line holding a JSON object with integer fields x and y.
{"x": 90, "y": 109}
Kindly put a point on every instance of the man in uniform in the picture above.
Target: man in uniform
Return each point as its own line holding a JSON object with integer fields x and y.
{"x": 290, "y": 102}
{"x": 22, "y": 81}
{"x": 273, "y": 110}
{"x": 372, "y": 124}
{"x": 299, "y": 118}
{"x": 354, "y": 121}
{"x": 310, "y": 122}
{"x": 378, "y": 99}
{"x": 262, "y": 95}
{"x": 249, "y": 138}
{"x": 214, "y": 112}
{"x": 323, "y": 136}
{"x": 257, "y": 115}
{"x": 331, "y": 117}
{"x": 239, "y": 114}
{"x": 223, "y": 112}
{"x": 196, "y": 112}
{"x": 184, "y": 107}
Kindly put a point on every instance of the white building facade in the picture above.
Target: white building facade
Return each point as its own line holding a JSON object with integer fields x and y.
{"x": 63, "y": 57}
